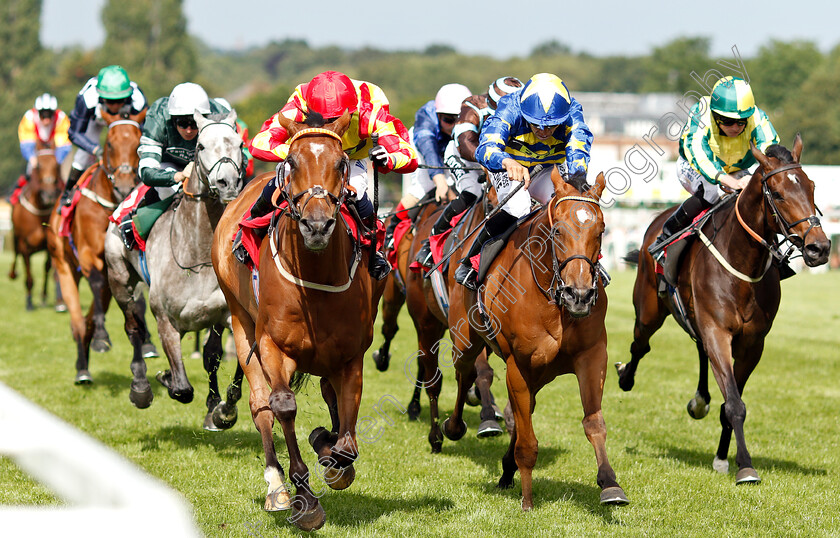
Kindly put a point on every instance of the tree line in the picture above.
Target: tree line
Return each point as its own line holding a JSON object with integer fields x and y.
{"x": 794, "y": 82}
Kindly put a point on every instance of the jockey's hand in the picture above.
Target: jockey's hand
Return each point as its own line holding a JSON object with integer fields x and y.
{"x": 33, "y": 161}
{"x": 379, "y": 156}
{"x": 98, "y": 151}
{"x": 441, "y": 187}
{"x": 735, "y": 184}
{"x": 516, "y": 172}
{"x": 180, "y": 177}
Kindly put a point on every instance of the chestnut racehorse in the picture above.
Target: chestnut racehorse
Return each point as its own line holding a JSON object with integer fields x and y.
{"x": 430, "y": 322}
{"x": 541, "y": 307}
{"x": 314, "y": 315}
{"x": 83, "y": 253}
{"x": 29, "y": 216}
{"x": 730, "y": 287}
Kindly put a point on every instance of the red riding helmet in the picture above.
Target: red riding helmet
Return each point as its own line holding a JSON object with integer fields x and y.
{"x": 330, "y": 94}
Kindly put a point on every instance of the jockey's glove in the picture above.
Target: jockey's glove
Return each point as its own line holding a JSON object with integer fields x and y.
{"x": 379, "y": 156}
{"x": 98, "y": 151}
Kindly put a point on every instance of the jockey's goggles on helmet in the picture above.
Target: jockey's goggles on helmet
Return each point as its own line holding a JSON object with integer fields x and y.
{"x": 729, "y": 122}
{"x": 448, "y": 118}
{"x": 538, "y": 127}
{"x": 185, "y": 122}
{"x": 46, "y": 114}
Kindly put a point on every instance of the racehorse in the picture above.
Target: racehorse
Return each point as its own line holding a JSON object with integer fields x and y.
{"x": 729, "y": 286}
{"x": 314, "y": 313}
{"x": 29, "y": 216}
{"x": 183, "y": 291}
{"x": 430, "y": 322}
{"x": 541, "y": 307}
{"x": 83, "y": 252}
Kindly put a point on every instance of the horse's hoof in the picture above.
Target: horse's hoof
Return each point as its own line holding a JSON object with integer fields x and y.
{"x": 614, "y": 495}
{"x": 208, "y": 423}
{"x": 30, "y": 307}
{"x": 149, "y": 351}
{"x": 473, "y": 398}
{"x": 697, "y": 407}
{"x": 83, "y": 377}
{"x": 414, "y": 410}
{"x": 141, "y": 399}
{"x": 505, "y": 483}
{"x": 747, "y": 475}
{"x": 497, "y": 412}
{"x": 278, "y": 500}
{"x": 721, "y": 466}
{"x": 184, "y": 396}
{"x": 101, "y": 345}
{"x": 309, "y": 520}
{"x": 450, "y": 431}
{"x": 489, "y": 428}
{"x": 224, "y": 416}
{"x": 195, "y": 355}
{"x": 61, "y": 308}
{"x": 381, "y": 360}
{"x": 339, "y": 479}
{"x": 624, "y": 382}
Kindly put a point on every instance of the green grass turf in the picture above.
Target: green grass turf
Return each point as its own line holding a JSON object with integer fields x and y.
{"x": 662, "y": 457}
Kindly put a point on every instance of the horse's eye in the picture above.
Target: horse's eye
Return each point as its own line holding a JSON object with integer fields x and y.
{"x": 199, "y": 147}
{"x": 777, "y": 196}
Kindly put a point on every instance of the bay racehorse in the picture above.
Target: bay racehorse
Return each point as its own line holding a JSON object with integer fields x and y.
{"x": 82, "y": 253}
{"x": 30, "y": 215}
{"x": 183, "y": 291}
{"x": 730, "y": 288}
{"x": 314, "y": 313}
{"x": 430, "y": 322}
{"x": 542, "y": 308}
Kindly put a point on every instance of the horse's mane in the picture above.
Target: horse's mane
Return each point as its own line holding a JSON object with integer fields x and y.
{"x": 314, "y": 119}
{"x": 217, "y": 117}
{"x": 779, "y": 152}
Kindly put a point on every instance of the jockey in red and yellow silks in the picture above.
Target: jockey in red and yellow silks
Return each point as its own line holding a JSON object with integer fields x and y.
{"x": 45, "y": 122}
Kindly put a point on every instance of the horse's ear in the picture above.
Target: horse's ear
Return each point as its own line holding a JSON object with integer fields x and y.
{"x": 231, "y": 118}
{"x": 598, "y": 187}
{"x": 561, "y": 188}
{"x": 341, "y": 124}
{"x": 290, "y": 125}
{"x": 140, "y": 116}
{"x": 200, "y": 120}
{"x": 797, "y": 148}
{"x": 760, "y": 157}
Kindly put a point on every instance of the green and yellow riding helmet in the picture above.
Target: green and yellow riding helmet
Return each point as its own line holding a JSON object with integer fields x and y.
{"x": 732, "y": 97}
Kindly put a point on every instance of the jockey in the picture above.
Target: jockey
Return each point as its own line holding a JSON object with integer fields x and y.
{"x": 533, "y": 130}
{"x": 460, "y": 154}
{"x": 715, "y": 150}
{"x": 112, "y": 89}
{"x": 44, "y": 122}
{"x": 242, "y": 131}
{"x": 330, "y": 94}
{"x": 167, "y": 149}
{"x": 430, "y": 134}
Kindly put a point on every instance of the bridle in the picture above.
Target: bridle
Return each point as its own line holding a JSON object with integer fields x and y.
{"x": 315, "y": 191}
{"x": 124, "y": 168}
{"x": 784, "y": 226}
{"x": 557, "y": 285}
{"x": 203, "y": 172}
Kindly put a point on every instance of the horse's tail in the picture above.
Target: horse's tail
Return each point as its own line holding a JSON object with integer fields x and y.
{"x": 298, "y": 380}
{"x": 632, "y": 257}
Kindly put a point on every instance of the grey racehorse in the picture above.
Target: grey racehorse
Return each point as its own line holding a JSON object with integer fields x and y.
{"x": 183, "y": 292}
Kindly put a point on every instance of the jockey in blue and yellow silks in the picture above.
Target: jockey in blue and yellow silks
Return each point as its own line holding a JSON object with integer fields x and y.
{"x": 715, "y": 150}
{"x": 533, "y": 130}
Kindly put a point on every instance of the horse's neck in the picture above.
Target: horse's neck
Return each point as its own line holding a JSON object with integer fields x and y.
{"x": 102, "y": 185}
{"x": 328, "y": 266}
{"x": 196, "y": 217}
{"x": 734, "y": 241}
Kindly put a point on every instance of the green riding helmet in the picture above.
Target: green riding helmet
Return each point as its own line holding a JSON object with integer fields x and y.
{"x": 113, "y": 83}
{"x": 732, "y": 97}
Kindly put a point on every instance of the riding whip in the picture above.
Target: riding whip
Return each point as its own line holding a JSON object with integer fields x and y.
{"x": 480, "y": 224}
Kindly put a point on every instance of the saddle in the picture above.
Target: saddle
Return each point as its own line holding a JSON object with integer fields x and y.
{"x": 68, "y": 212}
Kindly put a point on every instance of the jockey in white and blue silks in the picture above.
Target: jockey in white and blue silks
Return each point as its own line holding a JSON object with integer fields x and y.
{"x": 112, "y": 89}
{"x": 460, "y": 156}
{"x": 533, "y": 130}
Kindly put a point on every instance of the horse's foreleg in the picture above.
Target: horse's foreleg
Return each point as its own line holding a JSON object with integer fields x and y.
{"x": 698, "y": 407}
{"x": 175, "y": 379}
{"x": 590, "y": 375}
{"x": 392, "y": 301}
{"x": 30, "y": 282}
{"x": 307, "y": 512}
{"x": 650, "y": 315}
{"x": 212, "y": 358}
{"x": 467, "y": 346}
{"x": 47, "y": 266}
{"x": 432, "y": 378}
{"x": 101, "y": 342}
{"x": 339, "y": 472}
{"x": 525, "y": 448}
{"x": 149, "y": 349}
{"x": 489, "y": 426}
{"x": 68, "y": 281}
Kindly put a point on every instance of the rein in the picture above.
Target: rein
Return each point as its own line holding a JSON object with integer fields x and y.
{"x": 203, "y": 174}
{"x": 125, "y": 168}
{"x": 32, "y": 209}
{"x": 557, "y": 283}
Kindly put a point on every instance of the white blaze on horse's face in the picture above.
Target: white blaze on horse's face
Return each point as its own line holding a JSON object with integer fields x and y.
{"x": 793, "y": 178}
{"x": 584, "y": 216}
{"x": 317, "y": 149}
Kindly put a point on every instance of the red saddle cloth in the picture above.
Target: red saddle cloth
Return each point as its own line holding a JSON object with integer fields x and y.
{"x": 15, "y": 197}
{"x": 660, "y": 269}
{"x": 436, "y": 242}
{"x": 399, "y": 232}
{"x": 251, "y": 241}
{"x": 68, "y": 212}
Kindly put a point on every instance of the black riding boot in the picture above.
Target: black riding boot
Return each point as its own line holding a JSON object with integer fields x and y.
{"x": 678, "y": 220}
{"x": 465, "y": 274}
{"x": 72, "y": 178}
{"x": 455, "y": 207}
{"x": 379, "y": 266}
{"x": 262, "y": 206}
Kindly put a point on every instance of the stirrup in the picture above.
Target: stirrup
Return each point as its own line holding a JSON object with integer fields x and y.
{"x": 467, "y": 277}
{"x": 380, "y": 268}
{"x": 127, "y": 235}
{"x": 424, "y": 256}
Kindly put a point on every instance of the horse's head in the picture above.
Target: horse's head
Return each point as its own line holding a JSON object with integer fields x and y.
{"x": 576, "y": 231}
{"x": 45, "y": 174}
{"x": 789, "y": 194}
{"x": 120, "y": 160}
{"x": 218, "y": 156}
{"x": 317, "y": 168}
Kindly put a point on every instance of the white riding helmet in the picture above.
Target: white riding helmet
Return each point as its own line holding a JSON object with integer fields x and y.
{"x": 46, "y": 102}
{"x": 187, "y": 98}
{"x": 449, "y": 98}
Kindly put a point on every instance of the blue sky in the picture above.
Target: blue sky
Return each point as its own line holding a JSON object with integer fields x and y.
{"x": 499, "y": 29}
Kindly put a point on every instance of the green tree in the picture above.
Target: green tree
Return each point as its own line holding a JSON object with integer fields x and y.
{"x": 780, "y": 69}
{"x": 669, "y": 67}
{"x": 149, "y": 38}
